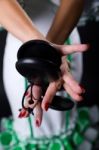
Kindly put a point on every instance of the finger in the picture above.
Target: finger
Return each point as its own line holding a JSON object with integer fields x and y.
{"x": 73, "y": 94}
{"x": 23, "y": 113}
{"x": 30, "y": 102}
{"x": 68, "y": 49}
{"x": 37, "y": 91}
{"x": 38, "y": 113}
{"x": 50, "y": 93}
{"x": 69, "y": 80}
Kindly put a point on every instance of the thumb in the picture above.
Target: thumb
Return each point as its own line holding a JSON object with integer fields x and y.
{"x": 68, "y": 49}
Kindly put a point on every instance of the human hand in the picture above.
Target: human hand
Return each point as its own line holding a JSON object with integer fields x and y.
{"x": 66, "y": 80}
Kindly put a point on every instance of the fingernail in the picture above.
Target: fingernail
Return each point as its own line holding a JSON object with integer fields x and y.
{"x": 22, "y": 114}
{"x": 46, "y": 106}
{"x": 37, "y": 123}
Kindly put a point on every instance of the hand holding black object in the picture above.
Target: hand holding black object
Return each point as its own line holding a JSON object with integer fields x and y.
{"x": 40, "y": 63}
{"x": 45, "y": 67}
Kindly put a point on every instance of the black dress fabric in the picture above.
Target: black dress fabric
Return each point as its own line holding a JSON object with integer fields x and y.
{"x": 4, "y": 104}
{"x": 90, "y": 79}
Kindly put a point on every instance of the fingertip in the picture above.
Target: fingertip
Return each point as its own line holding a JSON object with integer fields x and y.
{"x": 85, "y": 46}
{"x": 82, "y": 89}
{"x": 45, "y": 106}
{"x": 37, "y": 122}
{"x": 22, "y": 114}
{"x": 78, "y": 98}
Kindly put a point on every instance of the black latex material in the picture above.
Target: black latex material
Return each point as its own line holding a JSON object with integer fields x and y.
{"x": 40, "y": 62}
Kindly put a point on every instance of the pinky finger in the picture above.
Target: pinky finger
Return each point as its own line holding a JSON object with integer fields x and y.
{"x": 75, "y": 96}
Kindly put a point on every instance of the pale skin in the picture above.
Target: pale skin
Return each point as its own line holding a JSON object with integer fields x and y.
{"x": 15, "y": 20}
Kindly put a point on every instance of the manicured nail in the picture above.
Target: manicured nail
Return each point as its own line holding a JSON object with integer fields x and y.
{"x": 37, "y": 123}
{"x": 22, "y": 114}
{"x": 47, "y": 106}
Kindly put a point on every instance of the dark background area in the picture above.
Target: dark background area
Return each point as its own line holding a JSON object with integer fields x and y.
{"x": 4, "y": 105}
{"x": 90, "y": 79}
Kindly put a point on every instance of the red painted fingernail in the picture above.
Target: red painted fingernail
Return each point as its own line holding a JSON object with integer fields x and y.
{"x": 46, "y": 106}
{"x": 22, "y": 114}
{"x": 37, "y": 123}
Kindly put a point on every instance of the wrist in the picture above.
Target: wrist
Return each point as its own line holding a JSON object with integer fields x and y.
{"x": 32, "y": 35}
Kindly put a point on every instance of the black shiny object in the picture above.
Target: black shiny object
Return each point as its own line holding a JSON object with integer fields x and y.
{"x": 40, "y": 62}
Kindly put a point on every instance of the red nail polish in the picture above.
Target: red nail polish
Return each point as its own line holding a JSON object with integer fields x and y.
{"x": 22, "y": 114}
{"x": 46, "y": 106}
{"x": 37, "y": 123}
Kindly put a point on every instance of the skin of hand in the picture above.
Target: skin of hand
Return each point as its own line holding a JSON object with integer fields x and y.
{"x": 67, "y": 80}
{"x": 16, "y": 21}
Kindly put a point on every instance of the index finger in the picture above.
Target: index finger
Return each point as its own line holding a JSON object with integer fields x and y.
{"x": 50, "y": 93}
